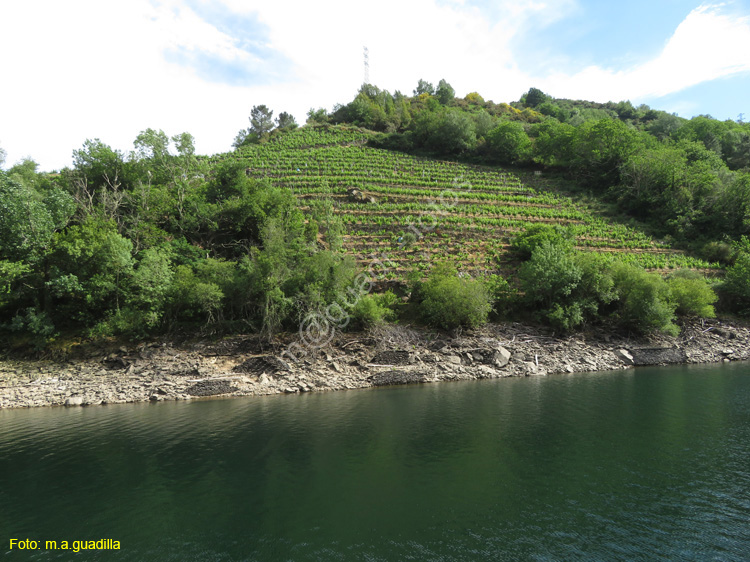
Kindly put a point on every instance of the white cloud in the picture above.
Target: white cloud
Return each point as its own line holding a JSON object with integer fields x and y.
{"x": 707, "y": 45}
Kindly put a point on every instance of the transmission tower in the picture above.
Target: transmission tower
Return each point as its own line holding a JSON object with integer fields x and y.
{"x": 367, "y": 66}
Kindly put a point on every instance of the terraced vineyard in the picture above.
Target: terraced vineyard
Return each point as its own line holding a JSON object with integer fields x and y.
{"x": 453, "y": 211}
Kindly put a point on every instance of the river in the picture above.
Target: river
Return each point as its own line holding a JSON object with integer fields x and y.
{"x": 650, "y": 464}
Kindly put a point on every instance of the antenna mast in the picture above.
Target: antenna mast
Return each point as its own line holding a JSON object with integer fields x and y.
{"x": 367, "y": 66}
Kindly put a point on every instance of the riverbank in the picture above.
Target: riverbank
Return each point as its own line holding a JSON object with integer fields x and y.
{"x": 240, "y": 366}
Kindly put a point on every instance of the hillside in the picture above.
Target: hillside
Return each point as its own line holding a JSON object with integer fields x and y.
{"x": 462, "y": 207}
{"x": 463, "y": 213}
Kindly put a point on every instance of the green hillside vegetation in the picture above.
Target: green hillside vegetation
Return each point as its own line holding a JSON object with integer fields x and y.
{"x": 422, "y": 208}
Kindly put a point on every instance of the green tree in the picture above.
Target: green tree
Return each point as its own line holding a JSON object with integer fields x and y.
{"x": 317, "y": 116}
{"x": 424, "y": 87}
{"x": 261, "y": 121}
{"x": 444, "y": 93}
{"x": 645, "y": 300}
{"x": 29, "y": 219}
{"x": 286, "y": 121}
{"x": 508, "y": 143}
{"x": 692, "y": 294}
{"x": 450, "y": 301}
{"x": 737, "y": 280}
{"x": 534, "y": 97}
{"x": 553, "y": 142}
{"x": 599, "y": 149}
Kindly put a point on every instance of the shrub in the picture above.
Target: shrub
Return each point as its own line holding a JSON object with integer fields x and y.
{"x": 737, "y": 283}
{"x": 565, "y": 287}
{"x": 692, "y": 294}
{"x": 449, "y": 301}
{"x": 535, "y": 235}
{"x": 509, "y": 143}
{"x": 645, "y": 301}
{"x": 374, "y": 310}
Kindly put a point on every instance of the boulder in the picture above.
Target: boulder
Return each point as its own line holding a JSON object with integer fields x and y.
{"x": 625, "y": 356}
{"x": 501, "y": 357}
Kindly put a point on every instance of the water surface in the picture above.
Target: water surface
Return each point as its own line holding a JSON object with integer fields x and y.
{"x": 645, "y": 464}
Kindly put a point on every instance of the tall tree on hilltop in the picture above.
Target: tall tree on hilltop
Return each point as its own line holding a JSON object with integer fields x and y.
{"x": 424, "y": 87}
{"x": 445, "y": 92}
{"x": 286, "y": 121}
{"x": 261, "y": 123}
{"x": 261, "y": 120}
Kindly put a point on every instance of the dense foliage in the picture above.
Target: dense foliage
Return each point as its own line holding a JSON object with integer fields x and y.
{"x": 162, "y": 239}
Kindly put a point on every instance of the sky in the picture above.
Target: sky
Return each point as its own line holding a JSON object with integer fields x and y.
{"x": 108, "y": 69}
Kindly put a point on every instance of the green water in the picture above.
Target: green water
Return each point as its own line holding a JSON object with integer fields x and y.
{"x": 651, "y": 464}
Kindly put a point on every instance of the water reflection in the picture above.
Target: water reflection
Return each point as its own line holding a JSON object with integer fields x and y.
{"x": 646, "y": 463}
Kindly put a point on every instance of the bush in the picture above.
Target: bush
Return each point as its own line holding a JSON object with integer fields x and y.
{"x": 692, "y": 294}
{"x": 737, "y": 283}
{"x": 566, "y": 288}
{"x": 449, "y": 301}
{"x": 503, "y": 295}
{"x": 645, "y": 301}
{"x": 718, "y": 251}
{"x": 374, "y": 310}
{"x": 509, "y": 143}
{"x": 535, "y": 235}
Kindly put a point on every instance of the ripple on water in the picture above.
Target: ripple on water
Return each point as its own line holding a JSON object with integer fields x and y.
{"x": 647, "y": 464}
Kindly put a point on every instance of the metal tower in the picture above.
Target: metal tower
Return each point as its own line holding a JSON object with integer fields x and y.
{"x": 367, "y": 66}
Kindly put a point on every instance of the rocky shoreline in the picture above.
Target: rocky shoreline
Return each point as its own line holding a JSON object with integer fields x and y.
{"x": 240, "y": 366}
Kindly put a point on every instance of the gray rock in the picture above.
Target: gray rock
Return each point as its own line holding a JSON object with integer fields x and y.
{"x": 262, "y": 364}
{"x": 624, "y": 356}
{"x": 658, "y": 355}
{"x": 502, "y": 357}
{"x": 211, "y": 388}
{"x": 396, "y": 377}
{"x": 394, "y": 357}
{"x": 74, "y": 401}
{"x": 455, "y": 359}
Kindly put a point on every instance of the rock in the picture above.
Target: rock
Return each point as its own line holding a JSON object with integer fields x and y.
{"x": 455, "y": 359}
{"x": 657, "y": 355}
{"x": 502, "y": 357}
{"x": 396, "y": 377}
{"x": 74, "y": 401}
{"x": 262, "y": 364}
{"x": 188, "y": 372}
{"x": 624, "y": 356}
{"x": 114, "y": 362}
{"x": 356, "y": 196}
{"x": 530, "y": 368}
{"x": 211, "y": 388}
{"x": 392, "y": 358}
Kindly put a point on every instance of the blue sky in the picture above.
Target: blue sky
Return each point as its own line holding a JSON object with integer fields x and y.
{"x": 108, "y": 69}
